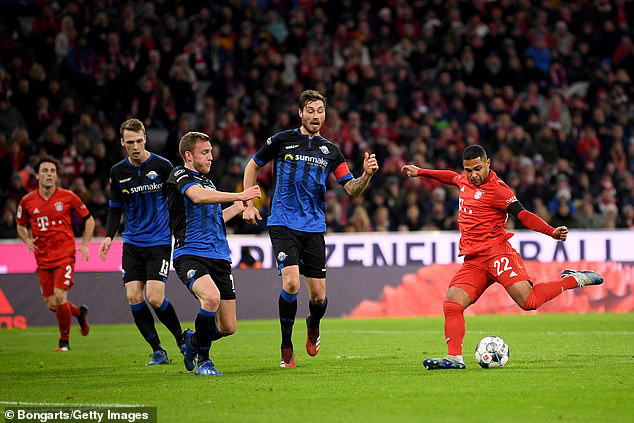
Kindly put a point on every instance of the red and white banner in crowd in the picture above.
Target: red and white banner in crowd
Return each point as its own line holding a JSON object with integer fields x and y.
{"x": 375, "y": 250}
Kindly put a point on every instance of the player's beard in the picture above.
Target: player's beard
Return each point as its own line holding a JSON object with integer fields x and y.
{"x": 307, "y": 126}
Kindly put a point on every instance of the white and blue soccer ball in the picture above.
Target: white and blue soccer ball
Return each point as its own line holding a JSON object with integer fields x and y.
{"x": 492, "y": 352}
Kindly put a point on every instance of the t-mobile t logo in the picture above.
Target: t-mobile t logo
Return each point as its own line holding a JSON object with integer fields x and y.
{"x": 42, "y": 223}
{"x": 462, "y": 208}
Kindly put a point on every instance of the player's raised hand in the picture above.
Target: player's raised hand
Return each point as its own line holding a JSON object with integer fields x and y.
{"x": 561, "y": 233}
{"x": 105, "y": 247}
{"x": 370, "y": 165}
{"x": 410, "y": 170}
{"x": 84, "y": 251}
{"x": 251, "y": 215}
{"x": 250, "y": 193}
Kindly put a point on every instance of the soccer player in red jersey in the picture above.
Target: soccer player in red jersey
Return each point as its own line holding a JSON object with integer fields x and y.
{"x": 484, "y": 203}
{"x": 47, "y": 211}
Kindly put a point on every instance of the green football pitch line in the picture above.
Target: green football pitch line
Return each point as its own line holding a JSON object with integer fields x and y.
{"x": 562, "y": 368}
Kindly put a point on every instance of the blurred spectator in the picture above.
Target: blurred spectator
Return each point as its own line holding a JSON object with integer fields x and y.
{"x": 409, "y": 81}
{"x": 587, "y": 217}
{"x": 10, "y": 117}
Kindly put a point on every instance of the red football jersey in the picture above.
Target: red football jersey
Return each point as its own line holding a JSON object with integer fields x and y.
{"x": 482, "y": 213}
{"x": 50, "y": 222}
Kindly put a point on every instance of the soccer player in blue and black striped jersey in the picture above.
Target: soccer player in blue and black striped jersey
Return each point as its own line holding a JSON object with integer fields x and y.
{"x": 302, "y": 161}
{"x": 201, "y": 252}
{"x": 137, "y": 189}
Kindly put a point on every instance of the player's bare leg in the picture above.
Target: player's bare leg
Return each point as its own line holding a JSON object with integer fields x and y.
{"x": 164, "y": 310}
{"x": 317, "y": 306}
{"x": 51, "y": 303}
{"x": 226, "y": 319}
{"x": 145, "y": 321}
{"x": 456, "y": 301}
{"x": 198, "y": 343}
{"x": 288, "y": 310}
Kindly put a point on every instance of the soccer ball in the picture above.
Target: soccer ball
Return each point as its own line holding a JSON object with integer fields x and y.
{"x": 492, "y": 352}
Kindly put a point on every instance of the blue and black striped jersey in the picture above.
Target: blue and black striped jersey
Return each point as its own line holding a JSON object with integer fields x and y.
{"x": 301, "y": 166}
{"x": 199, "y": 229}
{"x": 140, "y": 191}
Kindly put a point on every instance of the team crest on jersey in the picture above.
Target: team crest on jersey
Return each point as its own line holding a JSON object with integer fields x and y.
{"x": 151, "y": 174}
{"x": 478, "y": 194}
{"x": 59, "y": 206}
{"x": 281, "y": 256}
{"x": 191, "y": 273}
{"x": 324, "y": 149}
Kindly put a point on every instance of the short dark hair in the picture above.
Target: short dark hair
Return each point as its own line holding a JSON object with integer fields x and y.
{"x": 134, "y": 125}
{"x": 48, "y": 159}
{"x": 310, "y": 95}
{"x": 473, "y": 152}
{"x": 189, "y": 140}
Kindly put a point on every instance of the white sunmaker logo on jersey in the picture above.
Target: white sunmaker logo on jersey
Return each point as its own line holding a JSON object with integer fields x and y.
{"x": 318, "y": 161}
{"x": 144, "y": 188}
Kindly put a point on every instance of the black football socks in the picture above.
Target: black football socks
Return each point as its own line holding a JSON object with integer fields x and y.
{"x": 288, "y": 310}
{"x": 145, "y": 322}
{"x": 167, "y": 315}
{"x": 205, "y": 329}
{"x": 317, "y": 311}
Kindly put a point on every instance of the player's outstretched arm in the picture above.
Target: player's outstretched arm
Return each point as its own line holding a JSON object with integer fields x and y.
{"x": 232, "y": 211}
{"x": 357, "y": 186}
{"x": 251, "y": 214}
{"x": 444, "y": 176}
{"x": 89, "y": 229}
{"x": 201, "y": 195}
{"x": 535, "y": 223}
{"x": 23, "y": 233}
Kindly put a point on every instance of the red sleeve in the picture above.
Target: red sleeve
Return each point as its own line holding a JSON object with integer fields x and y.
{"x": 445, "y": 176}
{"x": 534, "y": 222}
{"x": 78, "y": 206}
{"x": 503, "y": 197}
{"x": 22, "y": 214}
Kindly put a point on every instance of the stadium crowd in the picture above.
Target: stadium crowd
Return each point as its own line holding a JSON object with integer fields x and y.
{"x": 545, "y": 87}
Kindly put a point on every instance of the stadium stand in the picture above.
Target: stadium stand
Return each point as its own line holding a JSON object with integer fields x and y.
{"x": 545, "y": 86}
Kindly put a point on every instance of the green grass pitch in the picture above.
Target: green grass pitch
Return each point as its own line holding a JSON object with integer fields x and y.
{"x": 562, "y": 368}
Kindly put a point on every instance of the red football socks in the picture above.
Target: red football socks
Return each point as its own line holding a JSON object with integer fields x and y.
{"x": 546, "y": 291}
{"x": 454, "y": 326}
{"x": 74, "y": 310}
{"x": 63, "y": 320}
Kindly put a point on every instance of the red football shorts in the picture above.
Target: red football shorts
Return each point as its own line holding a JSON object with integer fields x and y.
{"x": 500, "y": 264}
{"x": 56, "y": 277}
